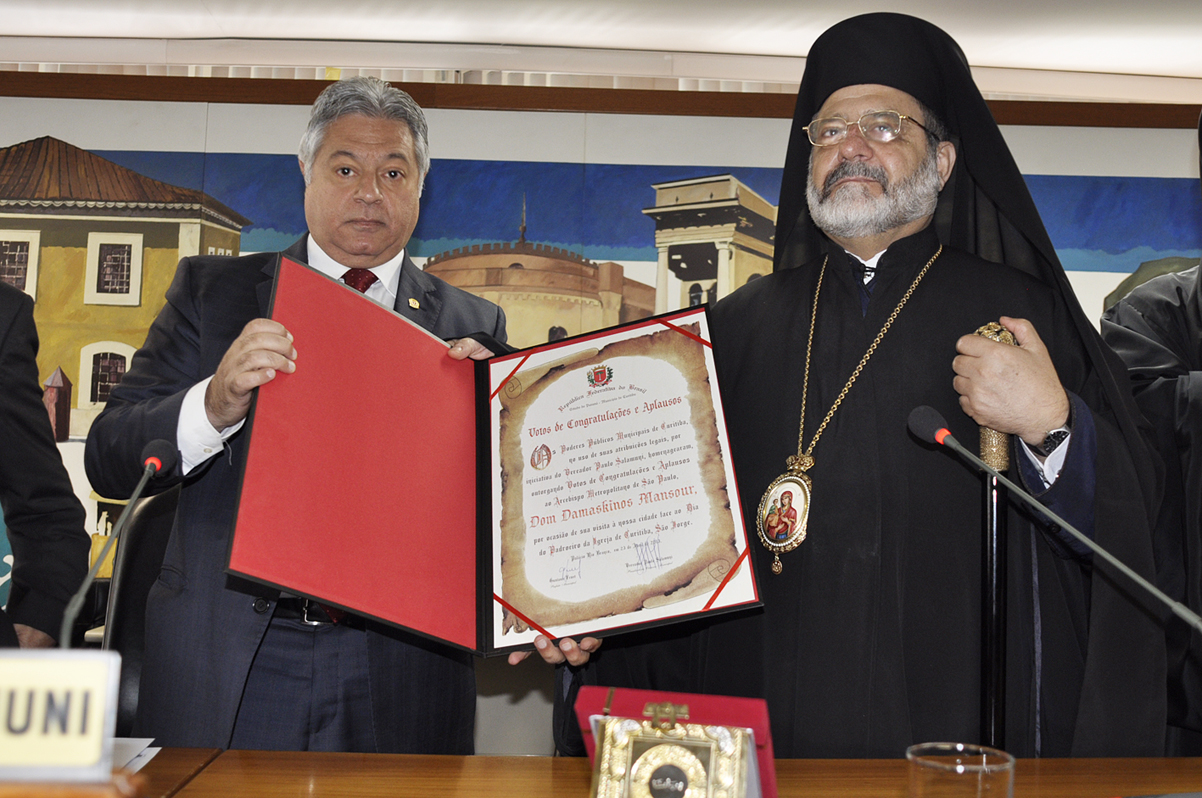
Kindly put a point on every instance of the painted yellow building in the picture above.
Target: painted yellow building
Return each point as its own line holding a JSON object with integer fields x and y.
{"x": 96, "y": 245}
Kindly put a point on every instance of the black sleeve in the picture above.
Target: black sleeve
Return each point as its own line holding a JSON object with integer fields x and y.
{"x": 45, "y": 520}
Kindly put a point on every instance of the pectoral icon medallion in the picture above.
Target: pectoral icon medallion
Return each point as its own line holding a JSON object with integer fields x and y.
{"x": 783, "y": 514}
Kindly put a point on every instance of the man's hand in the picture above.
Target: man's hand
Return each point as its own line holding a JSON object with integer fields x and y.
{"x": 469, "y": 347}
{"x": 28, "y": 637}
{"x": 1011, "y": 389}
{"x": 567, "y": 651}
{"x": 263, "y": 349}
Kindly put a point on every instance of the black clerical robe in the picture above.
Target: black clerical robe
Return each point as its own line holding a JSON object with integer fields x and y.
{"x": 869, "y": 640}
{"x": 1157, "y": 331}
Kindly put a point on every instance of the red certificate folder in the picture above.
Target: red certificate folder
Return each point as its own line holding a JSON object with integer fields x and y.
{"x": 360, "y": 481}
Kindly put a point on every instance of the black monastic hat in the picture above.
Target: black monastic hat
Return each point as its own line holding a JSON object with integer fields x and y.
{"x": 985, "y": 209}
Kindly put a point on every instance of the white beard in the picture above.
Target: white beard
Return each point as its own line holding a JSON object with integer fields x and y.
{"x": 852, "y": 211}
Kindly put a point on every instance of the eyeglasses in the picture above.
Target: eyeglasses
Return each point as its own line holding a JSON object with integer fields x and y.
{"x": 875, "y": 125}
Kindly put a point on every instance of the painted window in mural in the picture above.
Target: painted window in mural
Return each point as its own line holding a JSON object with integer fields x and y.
{"x": 107, "y": 370}
{"x": 114, "y": 269}
{"x": 14, "y": 262}
{"x": 19, "y": 259}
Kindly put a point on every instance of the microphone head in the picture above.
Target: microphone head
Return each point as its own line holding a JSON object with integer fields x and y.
{"x": 926, "y": 423}
{"x": 161, "y": 454}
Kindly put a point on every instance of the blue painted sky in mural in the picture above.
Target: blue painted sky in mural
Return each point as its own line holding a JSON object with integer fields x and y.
{"x": 1114, "y": 224}
{"x": 1113, "y": 214}
{"x": 1096, "y": 223}
{"x": 595, "y": 209}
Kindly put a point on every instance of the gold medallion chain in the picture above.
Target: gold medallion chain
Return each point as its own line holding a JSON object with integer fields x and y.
{"x": 785, "y": 507}
{"x": 804, "y": 458}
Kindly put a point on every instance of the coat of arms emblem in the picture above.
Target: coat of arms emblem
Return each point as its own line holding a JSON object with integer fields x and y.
{"x": 600, "y": 375}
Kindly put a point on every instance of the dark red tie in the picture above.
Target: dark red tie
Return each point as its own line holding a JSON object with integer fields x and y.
{"x": 359, "y": 279}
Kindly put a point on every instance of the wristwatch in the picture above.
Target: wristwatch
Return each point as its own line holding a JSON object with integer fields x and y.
{"x": 1051, "y": 442}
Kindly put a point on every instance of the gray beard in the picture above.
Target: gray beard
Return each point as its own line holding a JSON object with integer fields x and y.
{"x": 853, "y": 212}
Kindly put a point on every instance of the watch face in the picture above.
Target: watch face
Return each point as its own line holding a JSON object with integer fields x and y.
{"x": 1052, "y": 441}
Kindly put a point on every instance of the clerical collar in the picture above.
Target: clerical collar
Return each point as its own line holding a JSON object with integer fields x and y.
{"x": 388, "y": 273}
{"x": 869, "y": 265}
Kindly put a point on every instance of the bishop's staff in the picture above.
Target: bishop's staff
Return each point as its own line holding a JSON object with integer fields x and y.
{"x": 995, "y": 451}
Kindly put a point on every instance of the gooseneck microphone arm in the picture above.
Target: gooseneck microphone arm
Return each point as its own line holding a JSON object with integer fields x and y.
{"x": 157, "y": 456}
{"x": 926, "y": 423}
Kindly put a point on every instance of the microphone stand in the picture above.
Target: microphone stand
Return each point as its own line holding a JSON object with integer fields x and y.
{"x": 929, "y": 426}
{"x": 158, "y": 455}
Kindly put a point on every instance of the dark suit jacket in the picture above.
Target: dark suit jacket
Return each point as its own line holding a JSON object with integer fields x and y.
{"x": 202, "y": 626}
{"x": 45, "y": 521}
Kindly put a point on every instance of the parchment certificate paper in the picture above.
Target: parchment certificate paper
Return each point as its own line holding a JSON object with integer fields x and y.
{"x": 613, "y": 497}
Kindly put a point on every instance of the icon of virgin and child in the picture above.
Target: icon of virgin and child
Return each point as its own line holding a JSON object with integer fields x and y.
{"x": 781, "y": 520}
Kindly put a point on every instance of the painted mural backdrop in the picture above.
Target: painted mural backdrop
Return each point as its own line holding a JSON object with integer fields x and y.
{"x": 1098, "y": 224}
{"x": 677, "y": 211}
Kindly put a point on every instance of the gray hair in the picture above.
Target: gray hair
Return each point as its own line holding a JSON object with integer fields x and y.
{"x": 370, "y": 97}
{"x": 935, "y": 128}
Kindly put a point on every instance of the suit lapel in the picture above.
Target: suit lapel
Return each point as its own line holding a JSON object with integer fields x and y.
{"x": 418, "y": 298}
{"x": 299, "y": 252}
{"x": 415, "y": 288}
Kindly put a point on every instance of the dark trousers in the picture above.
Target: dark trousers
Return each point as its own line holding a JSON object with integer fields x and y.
{"x": 308, "y": 690}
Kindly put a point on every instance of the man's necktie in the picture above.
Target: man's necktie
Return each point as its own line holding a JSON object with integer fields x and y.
{"x": 359, "y": 279}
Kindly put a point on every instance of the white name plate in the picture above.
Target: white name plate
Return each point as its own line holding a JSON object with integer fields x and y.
{"x": 58, "y": 711}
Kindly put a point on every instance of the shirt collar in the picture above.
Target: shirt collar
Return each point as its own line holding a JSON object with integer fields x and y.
{"x": 388, "y": 273}
{"x": 870, "y": 264}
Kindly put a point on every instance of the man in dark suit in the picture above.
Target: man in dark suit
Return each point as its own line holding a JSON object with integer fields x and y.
{"x": 45, "y": 521}
{"x": 233, "y": 664}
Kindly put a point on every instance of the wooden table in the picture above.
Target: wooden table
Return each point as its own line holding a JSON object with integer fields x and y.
{"x": 1033, "y": 778}
{"x": 263, "y": 774}
{"x": 172, "y": 768}
{"x": 162, "y": 777}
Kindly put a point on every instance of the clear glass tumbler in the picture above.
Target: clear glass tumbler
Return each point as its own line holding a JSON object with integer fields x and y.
{"x": 959, "y": 770}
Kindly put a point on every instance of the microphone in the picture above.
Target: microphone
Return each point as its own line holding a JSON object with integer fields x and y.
{"x": 161, "y": 454}
{"x": 157, "y": 456}
{"x": 926, "y": 424}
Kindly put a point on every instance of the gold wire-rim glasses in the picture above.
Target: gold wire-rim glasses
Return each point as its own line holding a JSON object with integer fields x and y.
{"x": 871, "y": 132}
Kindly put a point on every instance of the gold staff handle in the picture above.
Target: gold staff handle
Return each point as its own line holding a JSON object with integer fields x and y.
{"x": 995, "y": 446}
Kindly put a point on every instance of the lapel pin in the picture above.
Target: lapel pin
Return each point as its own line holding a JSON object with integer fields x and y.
{"x": 413, "y": 303}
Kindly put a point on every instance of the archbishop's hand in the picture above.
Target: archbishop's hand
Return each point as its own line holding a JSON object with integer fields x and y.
{"x": 262, "y": 350}
{"x": 567, "y": 651}
{"x": 1012, "y": 389}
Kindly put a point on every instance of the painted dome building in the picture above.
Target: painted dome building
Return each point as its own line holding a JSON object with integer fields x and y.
{"x": 547, "y": 292}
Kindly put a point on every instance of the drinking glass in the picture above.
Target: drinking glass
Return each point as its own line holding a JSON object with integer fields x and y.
{"x": 959, "y": 770}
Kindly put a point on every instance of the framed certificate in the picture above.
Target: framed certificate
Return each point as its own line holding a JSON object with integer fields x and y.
{"x": 612, "y": 495}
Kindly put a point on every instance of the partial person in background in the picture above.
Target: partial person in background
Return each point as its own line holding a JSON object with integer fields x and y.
{"x": 44, "y": 519}
{"x": 230, "y": 663}
{"x": 1157, "y": 331}
{"x": 905, "y": 225}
